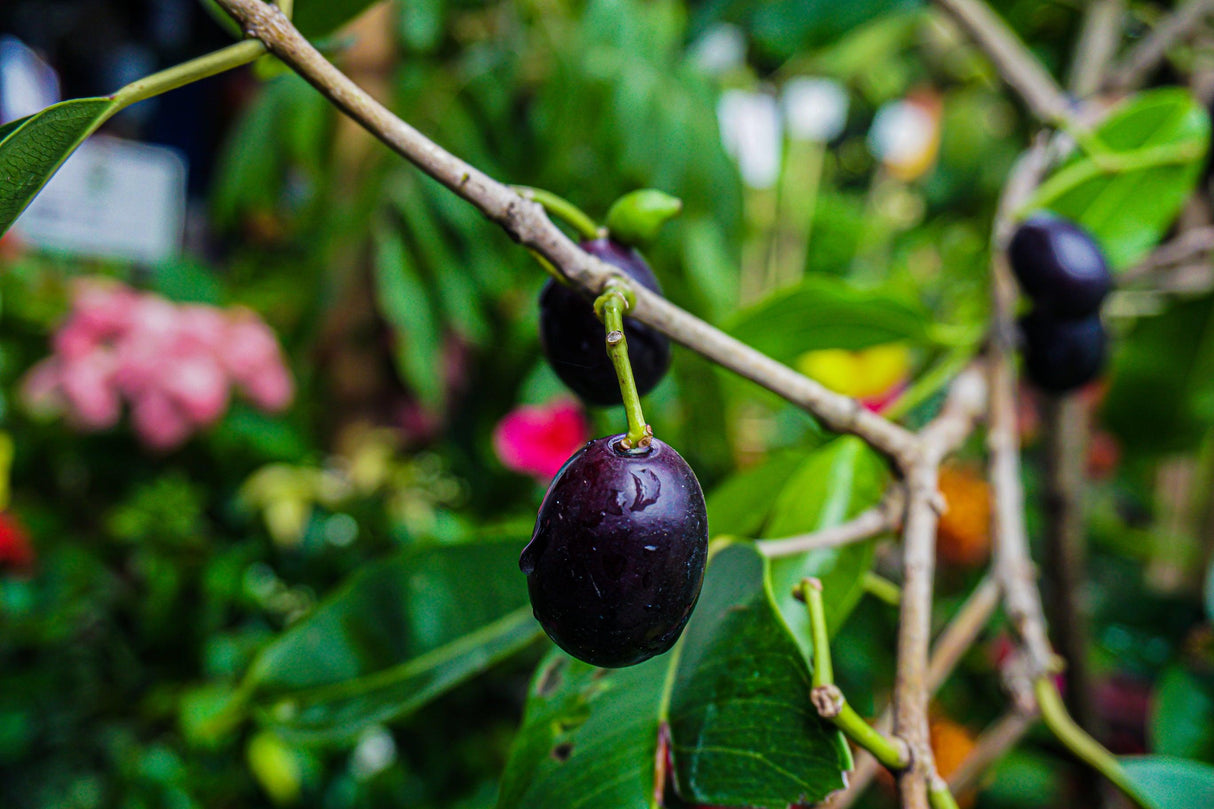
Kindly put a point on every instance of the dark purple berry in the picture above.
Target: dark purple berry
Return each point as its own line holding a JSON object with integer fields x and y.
{"x": 1060, "y": 266}
{"x": 615, "y": 565}
{"x": 574, "y": 340}
{"x": 1062, "y": 355}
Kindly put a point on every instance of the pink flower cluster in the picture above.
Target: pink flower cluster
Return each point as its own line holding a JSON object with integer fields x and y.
{"x": 175, "y": 365}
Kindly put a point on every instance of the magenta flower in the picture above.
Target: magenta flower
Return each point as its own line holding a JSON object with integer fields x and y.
{"x": 538, "y": 440}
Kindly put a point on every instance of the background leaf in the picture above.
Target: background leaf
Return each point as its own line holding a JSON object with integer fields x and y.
{"x": 1182, "y": 716}
{"x": 1129, "y": 212}
{"x": 832, "y": 485}
{"x": 399, "y": 633}
{"x": 33, "y": 149}
{"x": 316, "y": 18}
{"x": 1172, "y": 783}
{"x": 1161, "y": 393}
{"x": 405, "y": 303}
{"x": 824, "y": 312}
{"x": 786, "y": 27}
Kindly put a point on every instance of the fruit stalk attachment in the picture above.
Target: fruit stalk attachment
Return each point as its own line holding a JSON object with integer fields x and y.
{"x": 610, "y": 307}
{"x": 829, "y": 701}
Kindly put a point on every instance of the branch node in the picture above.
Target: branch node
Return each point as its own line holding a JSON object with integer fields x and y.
{"x": 827, "y": 700}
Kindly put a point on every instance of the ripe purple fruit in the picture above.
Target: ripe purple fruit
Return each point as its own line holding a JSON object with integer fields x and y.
{"x": 615, "y": 564}
{"x": 573, "y": 339}
{"x": 1062, "y": 355}
{"x": 1060, "y": 266}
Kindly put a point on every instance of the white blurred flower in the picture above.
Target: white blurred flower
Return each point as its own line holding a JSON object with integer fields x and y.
{"x": 905, "y": 135}
{"x": 814, "y": 109}
{"x": 750, "y": 131}
{"x": 375, "y": 752}
{"x": 721, "y": 49}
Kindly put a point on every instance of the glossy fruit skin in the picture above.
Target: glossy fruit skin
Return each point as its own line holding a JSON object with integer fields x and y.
{"x": 1062, "y": 355}
{"x": 574, "y": 341}
{"x": 615, "y": 564}
{"x": 1060, "y": 266}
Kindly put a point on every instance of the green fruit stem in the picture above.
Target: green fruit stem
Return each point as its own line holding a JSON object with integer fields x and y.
{"x": 1077, "y": 740}
{"x": 561, "y": 209}
{"x": 610, "y": 307}
{"x": 829, "y": 701}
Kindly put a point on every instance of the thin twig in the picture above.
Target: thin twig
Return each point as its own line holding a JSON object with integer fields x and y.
{"x": 1012, "y": 564}
{"x": 1136, "y": 67}
{"x": 991, "y": 746}
{"x": 1098, "y": 40}
{"x": 1015, "y": 63}
{"x": 867, "y": 524}
{"x": 526, "y": 222}
{"x": 914, "y": 632}
{"x": 919, "y": 784}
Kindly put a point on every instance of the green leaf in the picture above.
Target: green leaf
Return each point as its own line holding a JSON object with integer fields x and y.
{"x": 787, "y": 27}
{"x": 33, "y": 149}
{"x": 734, "y": 694}
{"x": 740, "y": 505}
{"x": 1128, "y": 211}
{"x": 1161, "y": 396}
{"x": 1182, "y": 717}
{"x": 826, "y": 312}
{"x": 316, "y": 18}
{"x": 833, "y": 484}
{"x": 1172, "y": 783}
{"x": 740, "y": 679}
{"x": 405, "y": 302}
{"x": 398, "y": 634}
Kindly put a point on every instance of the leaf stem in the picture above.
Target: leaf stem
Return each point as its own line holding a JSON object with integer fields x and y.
{"x": 610, "y": 307}
{"x": 1077, "y": 740}
{"x": 829, "y": 701}
{"x": 220, "y": 61}
{"x": 562, "y": 209}
{"x": 882, "y": 589}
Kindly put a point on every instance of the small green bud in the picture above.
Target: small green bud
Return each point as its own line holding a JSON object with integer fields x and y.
{"x": 636, "y": 218}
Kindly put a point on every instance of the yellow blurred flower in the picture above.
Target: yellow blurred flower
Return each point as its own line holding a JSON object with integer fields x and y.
{"x": 871, "y": 375}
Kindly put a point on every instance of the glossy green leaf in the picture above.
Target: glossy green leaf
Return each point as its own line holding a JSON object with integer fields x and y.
{"x": 734, "y": 695}
{"x": 832, "y": 485}
{"x": 1182, "y": 717}
{"x": 740, "y": 679}
{"x": 1128, "y": 211}
{"x": 1172, "y": 783}
{"x": 1161, "y": 395}
{"x": 316, "y": 18}
{"x": 398, "y": 634}
{"x": 33, "y": 149}
{"x": 824, "y": 312}
{"x": 404, "y": 300}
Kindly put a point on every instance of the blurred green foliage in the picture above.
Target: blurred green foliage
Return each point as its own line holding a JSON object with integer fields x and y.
{"x": 323, "y": 609}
